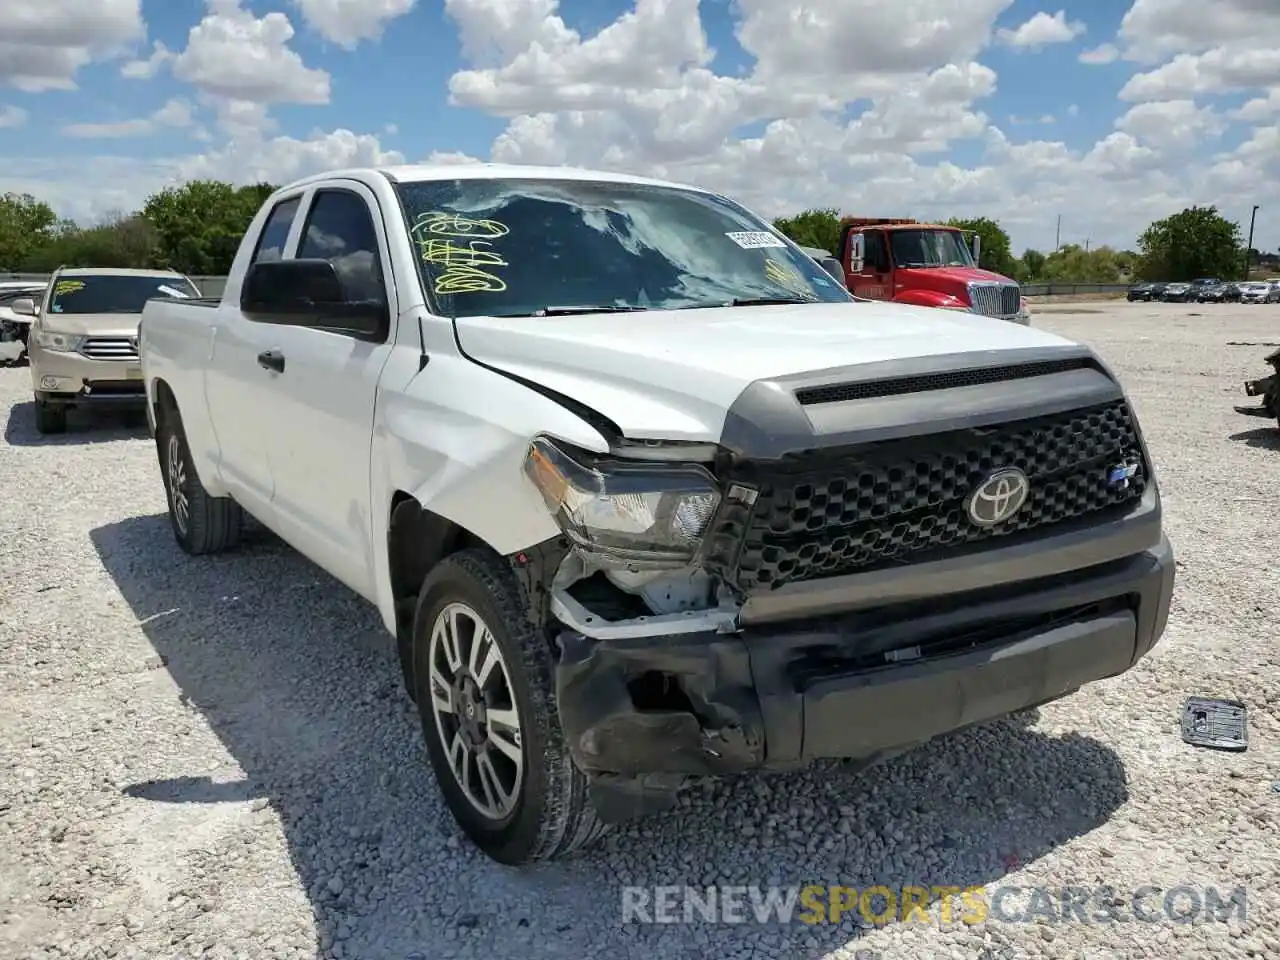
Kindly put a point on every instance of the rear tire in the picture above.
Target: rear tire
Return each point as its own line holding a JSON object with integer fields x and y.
{"x": 498, "y": 663}
{"x": 50, "y": 417}
{"x": 201, "y": 523}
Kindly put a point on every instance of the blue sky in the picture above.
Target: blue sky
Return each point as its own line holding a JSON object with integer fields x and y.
{"x": 93, "y": 146}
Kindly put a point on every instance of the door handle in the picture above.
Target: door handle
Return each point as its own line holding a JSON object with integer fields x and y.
{"x": 271, "y": 360}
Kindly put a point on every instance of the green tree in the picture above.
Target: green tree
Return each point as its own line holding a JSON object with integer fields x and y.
{"x": 1032, "y": 266}
{"x": 1197, "y": 242}
{"x": 996, "y": 254}
{"x": 26, "y": 224}
{"x": 119, "y": 240}
{"x": 812, "y": 228}
{"x": 1071, "y": 263}
{"x": 199, "y": 225}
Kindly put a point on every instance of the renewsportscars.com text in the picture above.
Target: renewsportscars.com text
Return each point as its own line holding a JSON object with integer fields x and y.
{"x": 879, "y": 905}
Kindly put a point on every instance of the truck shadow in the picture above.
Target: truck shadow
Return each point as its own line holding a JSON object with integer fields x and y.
{"x": 83, "y": 427}
{"x": 296, "y": 677}
{"x": 1261, "y": 438}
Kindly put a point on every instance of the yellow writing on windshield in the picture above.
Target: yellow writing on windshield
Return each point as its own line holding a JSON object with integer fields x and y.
{"x": 785, "y": 275}
{"x": 466, "y": 266}
{"x": 443, "y": 224}
{"x": 64, "y": 287}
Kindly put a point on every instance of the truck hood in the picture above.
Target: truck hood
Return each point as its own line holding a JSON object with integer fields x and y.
{"x": 673, "y": 374}
{"x": 93, "y": 324}
{"x": 946, "y": 279}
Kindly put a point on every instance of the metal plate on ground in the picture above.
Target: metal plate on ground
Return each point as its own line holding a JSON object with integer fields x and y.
{"x": 1221, "y": 724}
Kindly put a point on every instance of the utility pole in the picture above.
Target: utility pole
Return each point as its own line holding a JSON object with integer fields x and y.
{"x": 1086, "y": 244}
{"x": 1248, "y": 250}
{"x": 1057, "y": 240}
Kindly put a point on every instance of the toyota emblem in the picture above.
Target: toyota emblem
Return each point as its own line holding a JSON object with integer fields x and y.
{"x": 998, "y": 497}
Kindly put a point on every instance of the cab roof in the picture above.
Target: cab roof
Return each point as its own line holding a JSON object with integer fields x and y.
{"x": 423, "y": 172}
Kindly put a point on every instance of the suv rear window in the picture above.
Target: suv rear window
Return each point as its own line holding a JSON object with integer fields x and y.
{"x": 86, "y": 293}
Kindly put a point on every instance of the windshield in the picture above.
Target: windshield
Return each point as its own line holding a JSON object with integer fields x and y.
{"x": 929, "y": 248}
{"x": 519, "y": 247}
{"x": 114, "y": 294}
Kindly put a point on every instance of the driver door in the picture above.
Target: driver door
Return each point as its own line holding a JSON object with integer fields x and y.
{"x": 870, "y": 274}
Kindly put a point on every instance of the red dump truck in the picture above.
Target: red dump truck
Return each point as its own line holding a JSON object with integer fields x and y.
{"x": 924, "y": 264}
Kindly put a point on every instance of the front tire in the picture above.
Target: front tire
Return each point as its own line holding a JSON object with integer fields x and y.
{"x": 487, "y": 705}
{"x": 50, "y": 417}
{"x": 201, "y": 523}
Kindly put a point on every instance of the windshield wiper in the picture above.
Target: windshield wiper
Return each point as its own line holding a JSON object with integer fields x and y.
{"x": 768, "y": 301}
{"x": 585, "y": 308}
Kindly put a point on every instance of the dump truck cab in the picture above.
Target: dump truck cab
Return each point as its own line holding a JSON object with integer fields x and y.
{"x": 927, "y": 265}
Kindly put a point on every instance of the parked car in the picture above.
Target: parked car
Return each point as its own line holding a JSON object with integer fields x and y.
{"x": 14, "y": 327}
{"x": 1140, "y": 292}
{"x": 1217, "y": 293}
{"x": 1178, "y": 293}
{"x": 623, "y": 553}
{"x": 83, "y": 345}
{"x": 1205, "y": 282}
{"x": 1259, "y": 292}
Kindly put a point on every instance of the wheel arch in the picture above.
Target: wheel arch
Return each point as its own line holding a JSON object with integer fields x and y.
{"x": 417, "y": 540}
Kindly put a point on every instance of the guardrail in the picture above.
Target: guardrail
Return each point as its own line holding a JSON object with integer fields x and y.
{"x": 212, "y": 286}
{"x": 1070, "y": 289}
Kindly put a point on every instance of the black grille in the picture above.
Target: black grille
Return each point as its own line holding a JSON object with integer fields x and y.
{"x": 833, "y": 512}
{"x": 839, "y": 392}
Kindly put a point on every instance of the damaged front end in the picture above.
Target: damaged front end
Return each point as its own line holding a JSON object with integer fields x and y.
{"x": 654, "y": 688}
{"x": 1268, "y": 389}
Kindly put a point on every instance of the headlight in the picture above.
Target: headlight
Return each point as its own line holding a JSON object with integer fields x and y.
{"x": 621, "y": 513}
{"x": 60, "y": 342}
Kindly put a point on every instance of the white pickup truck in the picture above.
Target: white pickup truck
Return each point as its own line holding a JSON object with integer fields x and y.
{"x": 643, "y": 494}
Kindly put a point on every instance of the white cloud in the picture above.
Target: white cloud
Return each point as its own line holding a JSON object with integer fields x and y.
{"x": 1171, "y": 125}
{"x": 44, "y": 43}
{"x": 148, "y": 68}
{"x": 1042, "y": 30}
{"x": 347, "y": 22}
{"x": 233, "y": 55}
{"x": 11, "y": 116}
{"x": 1259, "y": 108}
{"x": 1153, "y": 30}
{"x": 123, "y": 183}
{"x": 1102, "y": 54}
{"x": 176, "y": 113}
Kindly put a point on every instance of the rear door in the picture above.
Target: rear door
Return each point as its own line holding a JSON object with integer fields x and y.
{"x": 322, "y": 406}
{"x": 238, "y": 389}
{"x": 872, "y": 277}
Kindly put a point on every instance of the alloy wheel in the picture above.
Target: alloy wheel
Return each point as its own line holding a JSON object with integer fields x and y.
{"x": 177, "y": 475}
{"x": 473, "y": 702}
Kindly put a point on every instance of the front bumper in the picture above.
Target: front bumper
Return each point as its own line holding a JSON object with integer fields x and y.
{"x": 642, "y": 715}
{"x": 70, "y": 378}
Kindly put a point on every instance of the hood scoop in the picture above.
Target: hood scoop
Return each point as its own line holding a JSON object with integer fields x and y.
{"x": 942, "y": 380}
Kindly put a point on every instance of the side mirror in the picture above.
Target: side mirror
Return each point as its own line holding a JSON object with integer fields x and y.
{"x": 857, "y": 253}
{"x": 309, "y": 292}
{"x": 977, "y": 249}
{"x": 833, "y": 267}
{"x": 24, "y": 307}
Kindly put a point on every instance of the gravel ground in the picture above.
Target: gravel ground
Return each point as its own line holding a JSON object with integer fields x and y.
{"x": 214, "y": 757}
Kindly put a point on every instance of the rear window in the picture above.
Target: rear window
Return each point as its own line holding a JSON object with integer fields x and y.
{"x": 114, "y": 294}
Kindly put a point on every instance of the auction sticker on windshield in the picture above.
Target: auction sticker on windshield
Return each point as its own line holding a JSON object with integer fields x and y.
{"x": 755, "y": 239}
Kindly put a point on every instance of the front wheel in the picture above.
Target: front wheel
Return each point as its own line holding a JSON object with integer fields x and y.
{"x": 487, "y": 706}
{"x": 50, "y": 417}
